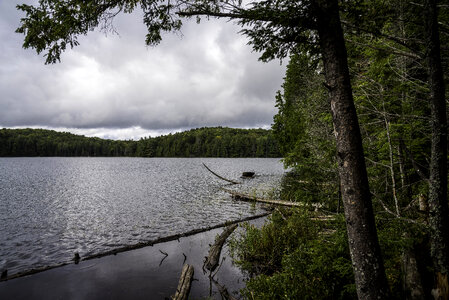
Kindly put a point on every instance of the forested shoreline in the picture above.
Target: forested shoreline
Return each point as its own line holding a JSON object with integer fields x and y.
{"x": 201, "y": 142}
{"x": 403, "y": 132}
{"x": 362, "y": 121}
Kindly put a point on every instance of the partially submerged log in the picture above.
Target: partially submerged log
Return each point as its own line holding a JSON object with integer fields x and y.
{"x": 169, "y": 238}
{"x": 76, "y": 258}
{"x": 221, "y": 177}
{"x": 133, "y": 246}
{"x": 185, "y": 281}
{"x": 248, "y": 174}
{"x": 250, "y": 198}
{"x": 212, "y": 260}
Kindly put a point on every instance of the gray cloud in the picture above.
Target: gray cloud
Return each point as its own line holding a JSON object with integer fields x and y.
{"x": 207, "y": 76}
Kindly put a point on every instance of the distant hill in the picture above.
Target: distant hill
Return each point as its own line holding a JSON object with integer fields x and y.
{"x": 201, "y": 142}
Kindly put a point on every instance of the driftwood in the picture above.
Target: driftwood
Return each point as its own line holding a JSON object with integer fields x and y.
{"x": 183, "y": 290}
{"x": 250, "y": 198}
{"x": 221, "y": 177}
{"x": 213, "y": 258}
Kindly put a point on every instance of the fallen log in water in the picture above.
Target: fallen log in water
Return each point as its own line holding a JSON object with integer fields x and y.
{"x": 251, "y": 198}
{"x": 135, "y": 246}
{"x": 211, "y": 262}
{"x": 185, "y": 281}
{"x": 173, "y": 237}
{"x": 221, "y": 177}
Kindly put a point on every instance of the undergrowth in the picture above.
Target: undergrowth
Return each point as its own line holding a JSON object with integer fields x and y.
{"x": 295, "y": 257}
{"x": 298, "y": 255}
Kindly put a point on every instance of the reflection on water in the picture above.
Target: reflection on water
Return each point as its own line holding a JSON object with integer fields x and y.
{"x": 53, "y": 207}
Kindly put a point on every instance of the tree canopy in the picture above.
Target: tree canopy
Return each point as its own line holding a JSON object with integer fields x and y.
{"x": 201, "y": 142}
{"x": 388, "y": 56}
{"x": 273, "y": 27}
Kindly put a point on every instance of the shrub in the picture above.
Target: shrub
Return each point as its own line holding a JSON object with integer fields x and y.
{"x": 298, "y": 257}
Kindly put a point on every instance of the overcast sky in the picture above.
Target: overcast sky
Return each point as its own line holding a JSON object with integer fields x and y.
{"x": 113, "y": 86}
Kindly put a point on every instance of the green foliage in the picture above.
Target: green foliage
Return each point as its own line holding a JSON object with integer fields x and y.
{"x": 389, "y": 79}
{"x": 212, "y": 142}
{"x": 295, "y": 255}
{"x": 303, "y": 128}
{"x": 388, "y": 68}
{"x": 297, "y": 188}
{"x": 203, "y": 142}
{"x": 296, "y": 258}
{"x": 265, "y": 248}
{"x": 53, "y": 25}
{"x": 277, "y": 28}
{"x": 40, "y": 142}
{"x": 397, "y": 236}
{"x": 274, "y": 29}
{"x": 391, "y": 95}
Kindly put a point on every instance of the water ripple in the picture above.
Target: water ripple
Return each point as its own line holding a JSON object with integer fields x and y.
{"x": 53, "y": 207}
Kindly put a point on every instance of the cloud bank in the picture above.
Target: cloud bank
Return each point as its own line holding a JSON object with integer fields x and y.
{"x": 114, "y": 86}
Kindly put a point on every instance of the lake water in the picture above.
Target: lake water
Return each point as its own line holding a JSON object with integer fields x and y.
{"x": 51, "y": 208}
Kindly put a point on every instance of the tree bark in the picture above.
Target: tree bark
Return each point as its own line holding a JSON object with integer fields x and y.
{"x": 185, "y": 281}
{"x": 371, "y": 282}
{"x": 438, "y": 206}
{"x": 212, "y": 260}
{"x": 412, "y": 278}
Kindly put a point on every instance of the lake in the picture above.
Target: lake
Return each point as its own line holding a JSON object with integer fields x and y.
{"x": 51, "y": 208}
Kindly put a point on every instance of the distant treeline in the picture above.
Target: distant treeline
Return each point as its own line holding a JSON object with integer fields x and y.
{"x": 202, "y": 142}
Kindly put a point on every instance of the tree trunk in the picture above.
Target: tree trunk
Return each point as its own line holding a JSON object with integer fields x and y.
{"x": 185, "y": 281}
{"x": 366, "y": 257}
{"x": 212, "y": 260}
{"x": 412, "y": 278}
{"x": 438, "y": 206}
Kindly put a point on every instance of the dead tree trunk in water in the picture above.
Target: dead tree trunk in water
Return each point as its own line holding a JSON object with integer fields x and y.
{"x": 438, "y": 206}
{"x": 371, "y": 282}
{"x": 221, "y": 177}
{"x": 214, "y": 253}
{"x": 183, "y": 290}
